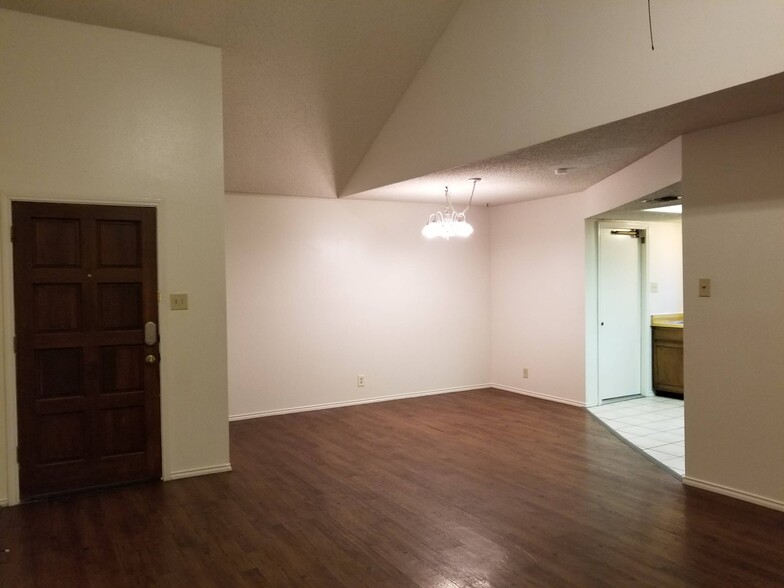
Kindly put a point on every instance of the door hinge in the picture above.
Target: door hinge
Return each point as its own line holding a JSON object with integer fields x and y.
{"x": 12, "y": 233}
{"x": 14, "y": 343}
{"x": 17, "y": 454}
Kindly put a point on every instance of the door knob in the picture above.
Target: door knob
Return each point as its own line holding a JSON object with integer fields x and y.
{"x": 150, "y": 359}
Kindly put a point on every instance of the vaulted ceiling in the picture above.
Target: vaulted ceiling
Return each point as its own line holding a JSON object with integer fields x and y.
{"x": 308, "y": 85}
{"x": 589, "y": 156}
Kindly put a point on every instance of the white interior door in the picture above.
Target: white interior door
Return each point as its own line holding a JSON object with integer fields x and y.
{"x": 619, "y": 293}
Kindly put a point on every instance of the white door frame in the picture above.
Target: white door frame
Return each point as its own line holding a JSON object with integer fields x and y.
{"x": 7, "y": 321}
{"x": 592, "y": 308}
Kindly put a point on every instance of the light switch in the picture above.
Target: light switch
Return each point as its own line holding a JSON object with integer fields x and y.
{"x": 654, "y": 287}
{"x": 705, "y": 286}
{"x": 178, "y": 301}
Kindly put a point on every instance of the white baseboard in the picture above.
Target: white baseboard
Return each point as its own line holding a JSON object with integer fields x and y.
{"x": 732, "y": 492}
{"x": 538, "y": 395}
{"x": 226, "y": 467}
{"x": 326, "y": 405}
{"x": 3, "y": 502}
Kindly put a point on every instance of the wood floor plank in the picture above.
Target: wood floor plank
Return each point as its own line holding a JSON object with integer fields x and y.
{"x": 472, "y": 489}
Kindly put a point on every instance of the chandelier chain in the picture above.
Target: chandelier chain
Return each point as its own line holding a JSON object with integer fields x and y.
{"x": 471, "y": 199}
{"x": 450, "y": 206}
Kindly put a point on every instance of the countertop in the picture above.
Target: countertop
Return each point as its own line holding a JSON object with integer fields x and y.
{"x": 672, "y": 321}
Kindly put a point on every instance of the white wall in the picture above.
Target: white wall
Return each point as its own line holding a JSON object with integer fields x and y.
{"x": 543, "y": 281}
{"x": 665, "y": 267}
{"x": 734, "y": 369}
{"x": 508, "y": 74}
{"x": 96, "y": 114}
{"x": 321, "y": 291}
{"x": 656, "y": 170}
{"x": 538, "y": 297}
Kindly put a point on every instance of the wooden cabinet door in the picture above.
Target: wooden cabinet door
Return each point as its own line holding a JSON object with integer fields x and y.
{"x": 668, "y": 360}
{"x": 88, "y": 387}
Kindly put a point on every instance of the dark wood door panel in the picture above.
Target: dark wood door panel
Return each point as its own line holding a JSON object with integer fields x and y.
{"x": 56, "y": 242}
{"x": 122, "y": 368}
{"x": 59, "y": 372}
{"x": 120, "y": 306}
{"x": 85, "y": 283}
{"x": 119, "y": 243}
{"x": 57, "y": 308}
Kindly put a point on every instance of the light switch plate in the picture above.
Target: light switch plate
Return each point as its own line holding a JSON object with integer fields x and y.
{"x": 705, "y": 287}
{"x": 178, "y": 301}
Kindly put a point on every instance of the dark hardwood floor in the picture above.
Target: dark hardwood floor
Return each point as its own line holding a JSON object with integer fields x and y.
{"x": 479, "y": 489}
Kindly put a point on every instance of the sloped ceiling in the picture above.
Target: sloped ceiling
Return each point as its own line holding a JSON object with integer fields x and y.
{"x": 586, "y": 157}
{"x": 310, "y": 86}
{"x": 307, "y": 84}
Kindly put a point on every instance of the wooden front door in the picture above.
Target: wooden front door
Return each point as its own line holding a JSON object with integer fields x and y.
{"x": 88, "y": 386}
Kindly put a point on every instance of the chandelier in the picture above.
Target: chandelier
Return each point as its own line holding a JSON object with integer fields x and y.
{"x": 450, "y": 223}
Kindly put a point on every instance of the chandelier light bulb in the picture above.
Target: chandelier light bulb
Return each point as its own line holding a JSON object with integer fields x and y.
{"x": 431, "y": 229}
{"x": 463, "y": 228}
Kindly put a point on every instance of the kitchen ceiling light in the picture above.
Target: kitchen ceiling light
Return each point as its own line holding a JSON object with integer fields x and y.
{"x": 450, "y": 223}
{"x": 672, "y": 209}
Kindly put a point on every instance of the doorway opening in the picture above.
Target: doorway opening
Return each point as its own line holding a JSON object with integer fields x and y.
{"x": 634, "y": 325}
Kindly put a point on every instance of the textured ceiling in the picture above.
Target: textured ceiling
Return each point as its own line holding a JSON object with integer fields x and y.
{"x": 590, "y": 155}
{"x": 307, "y": 84}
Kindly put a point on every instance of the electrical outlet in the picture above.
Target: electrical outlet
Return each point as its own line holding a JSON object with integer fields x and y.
{"x": 360, "y": 381}
{"x": 178, "y": 301}
{"x": 525, "y": 372}
{"x": 654, "y": 287}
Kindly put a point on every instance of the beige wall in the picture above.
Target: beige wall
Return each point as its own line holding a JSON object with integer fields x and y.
{"x": 733, "y": 224}
{"x": 99, "y": 115}
{"x": 508, "y": 74}
{"x": 321, "y": 291}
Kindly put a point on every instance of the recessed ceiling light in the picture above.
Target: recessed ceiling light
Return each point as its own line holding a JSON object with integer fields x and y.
{"x": 674, "y": 209}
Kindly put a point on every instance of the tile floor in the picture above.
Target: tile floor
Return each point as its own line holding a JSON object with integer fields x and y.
{"x": 652, "y": 423}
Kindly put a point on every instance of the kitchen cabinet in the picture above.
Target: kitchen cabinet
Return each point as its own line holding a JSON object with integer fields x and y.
{"x": 668, "y": 359}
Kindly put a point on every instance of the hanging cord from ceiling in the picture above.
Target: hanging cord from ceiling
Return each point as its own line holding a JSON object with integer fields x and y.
{"x": 650, "y": 24}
